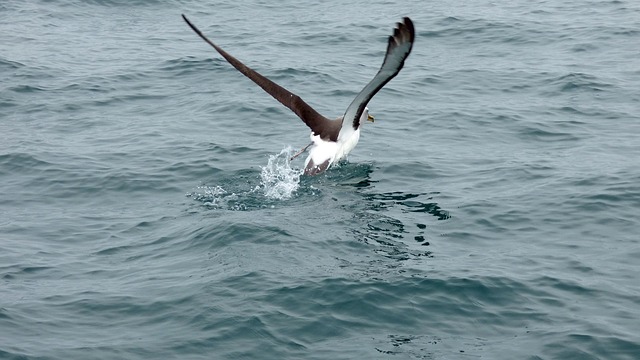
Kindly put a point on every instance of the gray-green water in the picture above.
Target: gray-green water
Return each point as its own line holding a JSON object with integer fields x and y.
{"x": 147, "y": 210}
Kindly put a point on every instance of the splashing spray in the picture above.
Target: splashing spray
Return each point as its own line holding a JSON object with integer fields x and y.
{"x": 279, "y": 180}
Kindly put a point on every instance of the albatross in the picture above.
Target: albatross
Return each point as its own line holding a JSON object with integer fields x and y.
{"x": 332, "y": 140}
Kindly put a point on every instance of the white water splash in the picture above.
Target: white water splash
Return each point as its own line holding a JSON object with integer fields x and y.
{"x": 279, "y": 180}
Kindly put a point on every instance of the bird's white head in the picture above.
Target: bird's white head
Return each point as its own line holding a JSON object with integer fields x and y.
{"x": 366, "y": 116}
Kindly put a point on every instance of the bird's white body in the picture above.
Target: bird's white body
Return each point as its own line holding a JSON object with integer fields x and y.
{"x": 331, "y": 151}
{"x": 334, "y": 151}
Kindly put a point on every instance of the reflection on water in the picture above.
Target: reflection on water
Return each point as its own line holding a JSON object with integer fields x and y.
{"x": 403, "y": 199}
{"x": 388, "y": 219}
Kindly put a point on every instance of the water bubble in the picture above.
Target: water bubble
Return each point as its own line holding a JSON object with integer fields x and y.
{"x": 211, "y": 196}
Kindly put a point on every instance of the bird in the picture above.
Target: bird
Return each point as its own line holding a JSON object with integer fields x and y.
{"x": 332, "y": 140}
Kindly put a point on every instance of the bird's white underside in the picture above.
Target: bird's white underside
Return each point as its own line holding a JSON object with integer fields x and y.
{"x": 332, "y": 151}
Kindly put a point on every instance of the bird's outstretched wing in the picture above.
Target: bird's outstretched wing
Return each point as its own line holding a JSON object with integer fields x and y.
{"x": 318, "y": 123}
{"x": 398, "y": 49}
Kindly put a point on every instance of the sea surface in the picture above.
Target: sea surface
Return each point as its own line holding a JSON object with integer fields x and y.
{"x": 149, "y": 210}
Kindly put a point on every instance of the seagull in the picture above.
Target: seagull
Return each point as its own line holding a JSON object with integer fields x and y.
{"x": 332, "y": 140}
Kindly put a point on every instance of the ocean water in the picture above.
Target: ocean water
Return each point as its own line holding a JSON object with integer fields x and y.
{"x": 148, "y": 209}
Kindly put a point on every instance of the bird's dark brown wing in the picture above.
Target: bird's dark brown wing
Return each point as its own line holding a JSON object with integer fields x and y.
{"x": 398, "y": 49}
{"x": 318, "y": 123}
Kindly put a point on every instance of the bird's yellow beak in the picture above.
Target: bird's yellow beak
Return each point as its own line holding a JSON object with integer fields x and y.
{"x": 371, "y": 118}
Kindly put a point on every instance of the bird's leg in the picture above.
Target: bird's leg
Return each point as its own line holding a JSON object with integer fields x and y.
{"x": 300, "y": 152}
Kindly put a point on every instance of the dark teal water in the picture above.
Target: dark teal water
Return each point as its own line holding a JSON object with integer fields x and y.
{"x": 147, "y": 209}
